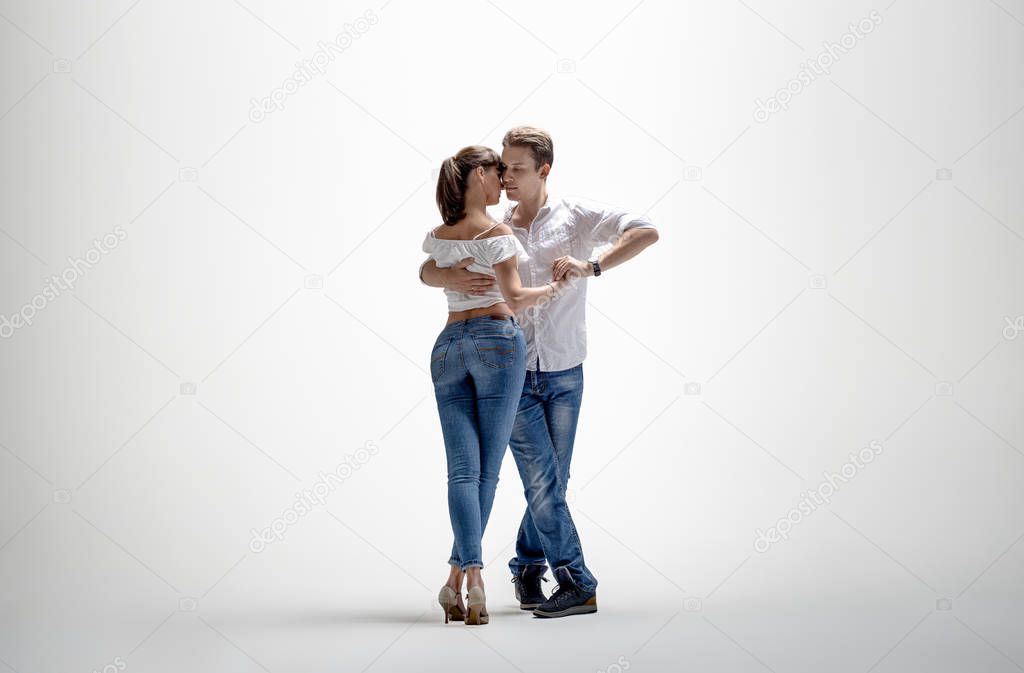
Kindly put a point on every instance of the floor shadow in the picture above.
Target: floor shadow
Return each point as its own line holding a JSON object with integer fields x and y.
{"x": 342, "y": 616}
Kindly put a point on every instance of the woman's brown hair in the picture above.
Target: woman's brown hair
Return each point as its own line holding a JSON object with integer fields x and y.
{"x": 451, "y": 182}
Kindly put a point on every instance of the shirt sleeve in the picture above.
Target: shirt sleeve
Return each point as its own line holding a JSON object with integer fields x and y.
{"x": 427, "y": 247}
{"x": 597, "y": 225}
{"x": 502, "y": 248}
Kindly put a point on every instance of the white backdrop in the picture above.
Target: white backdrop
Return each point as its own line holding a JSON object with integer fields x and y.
{"x": 218, "y": 266}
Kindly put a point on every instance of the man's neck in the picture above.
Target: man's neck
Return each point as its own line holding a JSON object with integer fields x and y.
{"x": 527, "y": 209}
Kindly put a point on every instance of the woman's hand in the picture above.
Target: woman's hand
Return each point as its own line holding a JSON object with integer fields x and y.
{"x": 569, "y": 266}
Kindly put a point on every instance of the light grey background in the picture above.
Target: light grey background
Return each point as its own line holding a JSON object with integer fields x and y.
{"x": 821, "y": 283}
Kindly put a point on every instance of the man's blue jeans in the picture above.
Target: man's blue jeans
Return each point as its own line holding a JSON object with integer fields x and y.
{"x": 477, "y": 367}
{"x": 541, "y": 442}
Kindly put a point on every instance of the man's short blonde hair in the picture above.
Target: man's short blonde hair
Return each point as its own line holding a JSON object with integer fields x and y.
{"x": 538, "y": 141}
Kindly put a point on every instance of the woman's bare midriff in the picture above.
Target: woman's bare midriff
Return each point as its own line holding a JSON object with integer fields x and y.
{"x": 500, "y": 309}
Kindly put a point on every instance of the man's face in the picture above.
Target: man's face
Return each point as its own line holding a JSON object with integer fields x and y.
{"x": 522, "y": 177}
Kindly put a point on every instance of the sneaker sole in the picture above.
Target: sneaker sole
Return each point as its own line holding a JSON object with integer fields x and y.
{"x": 575, "y": 610}
{"x": 529, "y": 606}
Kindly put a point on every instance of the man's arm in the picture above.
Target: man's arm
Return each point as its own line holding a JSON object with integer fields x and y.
{"x": 430, "y": 274}
{"x": 628, "y": 234}
{"x": 455, "y": 277}
{"x": 628, "y": 246}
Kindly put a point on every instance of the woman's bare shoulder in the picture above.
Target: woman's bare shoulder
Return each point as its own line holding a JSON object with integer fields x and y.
{"x": 443, "y": 232}
{"x": 499, "y": 230}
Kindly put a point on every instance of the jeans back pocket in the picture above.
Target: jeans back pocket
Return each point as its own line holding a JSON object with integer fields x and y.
{"x": 496, "y": 344}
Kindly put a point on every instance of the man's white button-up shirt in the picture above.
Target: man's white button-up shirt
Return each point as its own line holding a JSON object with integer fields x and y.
{"x": 556, "y": 330}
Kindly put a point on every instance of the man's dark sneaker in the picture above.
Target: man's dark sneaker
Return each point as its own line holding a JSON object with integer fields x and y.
{"x": 568, "y": 599}
{"x": 528, "y": 591}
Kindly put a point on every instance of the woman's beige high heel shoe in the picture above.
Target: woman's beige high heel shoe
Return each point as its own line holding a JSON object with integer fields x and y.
{"x": 476, "y": 604}
{"x": 449, "y": 601}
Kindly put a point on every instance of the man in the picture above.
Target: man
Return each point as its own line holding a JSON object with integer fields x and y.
{"x": 559, "y": 237}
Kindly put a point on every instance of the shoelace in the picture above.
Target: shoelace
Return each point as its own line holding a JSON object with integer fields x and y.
{"x": 559, "y": 591}
{"x": 517, "y": 578}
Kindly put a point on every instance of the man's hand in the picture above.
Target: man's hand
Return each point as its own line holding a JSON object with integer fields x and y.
{"x": 468, "y": 282}
{"x": 569, "y": 267}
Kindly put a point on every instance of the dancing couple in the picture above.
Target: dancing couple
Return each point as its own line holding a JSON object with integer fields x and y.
{"x": 507, "y": 368}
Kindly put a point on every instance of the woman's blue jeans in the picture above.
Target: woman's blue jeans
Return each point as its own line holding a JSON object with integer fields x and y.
{"x": 478, "y": 367}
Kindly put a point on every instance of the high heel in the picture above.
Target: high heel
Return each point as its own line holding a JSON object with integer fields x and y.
{"x": 476, "y": 604}
{"x": 449, "y": 601}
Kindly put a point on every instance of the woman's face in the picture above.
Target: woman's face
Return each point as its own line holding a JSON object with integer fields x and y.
{"x": 492, "y": 184}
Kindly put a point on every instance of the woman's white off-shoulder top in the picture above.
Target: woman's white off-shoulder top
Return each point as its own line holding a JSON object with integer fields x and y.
{"x": 486, "y": 252}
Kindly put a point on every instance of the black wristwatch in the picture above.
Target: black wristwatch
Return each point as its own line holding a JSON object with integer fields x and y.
{"x": 597, "y": 267}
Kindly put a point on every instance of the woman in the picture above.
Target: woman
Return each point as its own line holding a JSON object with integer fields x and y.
{"x": 478, "y": 363}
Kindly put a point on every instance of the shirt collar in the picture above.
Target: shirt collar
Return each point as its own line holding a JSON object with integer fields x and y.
{"x": 544, "y": 208}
